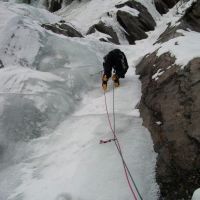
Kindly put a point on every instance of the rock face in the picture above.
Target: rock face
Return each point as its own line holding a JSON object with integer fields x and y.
{"x": 135, "y": 26}
{"x": 170, "y": 3}
{"x": 62, "y": 28}
{"x": 161, "y": 7}
{"x": 191, "y": 19}
{"x": 54, "y": 5}
{"x": 103, "y": 28}
{"x": 170, "y": 108}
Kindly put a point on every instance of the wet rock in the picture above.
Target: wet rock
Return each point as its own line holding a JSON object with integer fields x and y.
{"x": 170, "y": 108}
{"x": 161, "y": 7}
{"x": 132, "y": 27}
{"x": 170, "y": 3}
{"x": 135, "y": 26}
{"x": 103, "y": 28}
{"x": 191, "y": 19}
{"x": 62, "y": 28}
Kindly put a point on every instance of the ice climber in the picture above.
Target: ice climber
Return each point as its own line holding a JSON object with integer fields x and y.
{"x": 115, "y": 60}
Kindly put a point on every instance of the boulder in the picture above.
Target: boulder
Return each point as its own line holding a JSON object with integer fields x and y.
{"x": 170, "y": 108}
{"x": 161, "y": 7}
{"x": 62, "y": 28}
{"x": 135, "y": 26}
{"x": 132, "y": 27}
{"x": 191, "y": 18}
{"x": 103, "y": 28}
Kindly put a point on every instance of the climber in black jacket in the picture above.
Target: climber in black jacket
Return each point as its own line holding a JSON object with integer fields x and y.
{"x": 117, "y": 61}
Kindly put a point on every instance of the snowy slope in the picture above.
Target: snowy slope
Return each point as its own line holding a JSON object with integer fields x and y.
{"x": 70, "y": 163}
{"x": 84, "y": 14}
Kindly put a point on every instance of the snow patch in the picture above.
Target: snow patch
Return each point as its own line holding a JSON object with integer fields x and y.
{"x": 188, "y": 47}
{"x": 130, "y": 10}
{"x": 157, "y": 74}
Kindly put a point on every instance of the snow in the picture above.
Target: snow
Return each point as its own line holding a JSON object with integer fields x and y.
{"x": 71, "y": 162}
{"x": 99, "y": 35}
{"x": 158, "y": 123}
{"x": 157, "y": 74}
{"x": 196, "y": 195}
{"x": 184, "y": 48}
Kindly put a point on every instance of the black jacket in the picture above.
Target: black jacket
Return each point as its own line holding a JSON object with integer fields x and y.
{"x": 116, "y": 60}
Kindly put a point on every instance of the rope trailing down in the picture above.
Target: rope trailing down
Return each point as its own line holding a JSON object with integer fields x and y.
{"x": 128, "y": 175}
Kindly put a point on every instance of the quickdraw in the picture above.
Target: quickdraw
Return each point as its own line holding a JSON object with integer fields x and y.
{"x": 106, "y": 141}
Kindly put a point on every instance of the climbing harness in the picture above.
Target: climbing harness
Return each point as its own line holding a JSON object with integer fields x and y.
{"x": 117, "y": 144}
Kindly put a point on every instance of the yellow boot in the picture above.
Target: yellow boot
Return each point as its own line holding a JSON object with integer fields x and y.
{"x": 115, "y": 80}
{"x": 104, "y": 82}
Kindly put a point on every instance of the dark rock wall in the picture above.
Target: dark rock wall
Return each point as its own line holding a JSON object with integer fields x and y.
{"x": 170, "y": 108}
{"x": 163, "y": 6}
{"x": 170, "y": 3}
{"x": 191, "y": 19}
{"x": 132, "y": 26}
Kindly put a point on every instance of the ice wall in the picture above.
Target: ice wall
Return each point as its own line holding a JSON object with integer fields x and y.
{"x": 43, "y": 78}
